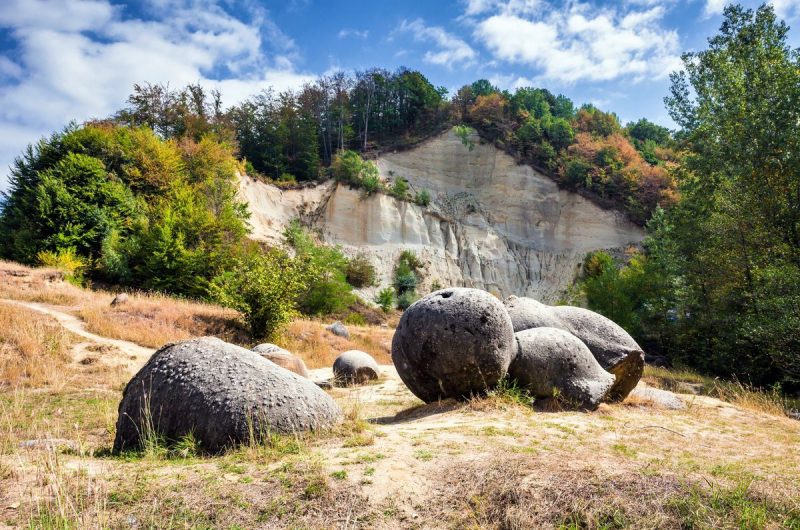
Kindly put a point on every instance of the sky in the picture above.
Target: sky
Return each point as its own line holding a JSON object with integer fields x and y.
{"x": 74, "y": 60}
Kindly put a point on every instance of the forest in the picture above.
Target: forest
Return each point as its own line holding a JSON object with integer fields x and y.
{"x": 147, "y": 197}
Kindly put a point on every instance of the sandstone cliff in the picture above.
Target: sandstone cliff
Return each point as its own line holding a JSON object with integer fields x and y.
{"x": 492, "y": 224}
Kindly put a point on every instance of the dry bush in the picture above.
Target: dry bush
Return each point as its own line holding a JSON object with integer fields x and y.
{"x": 318, "y": 347}
{"x": 154, "y": 320}
{"x": 33, "y": 348}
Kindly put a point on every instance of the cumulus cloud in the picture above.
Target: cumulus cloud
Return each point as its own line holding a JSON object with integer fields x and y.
{"x": 79, "y": 59}
{"x": 450, "y": 50}
{"x": 582, "y": 42}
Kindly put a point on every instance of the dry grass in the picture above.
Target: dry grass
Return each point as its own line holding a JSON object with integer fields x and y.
{"x": 33, "y": 348}
{"x": 154, "y": 320}
{"x": 318, "y": 347}
{"x": 43, "y": 285}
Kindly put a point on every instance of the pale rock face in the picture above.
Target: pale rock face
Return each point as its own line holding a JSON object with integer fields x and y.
{"x": 492, "y": 224}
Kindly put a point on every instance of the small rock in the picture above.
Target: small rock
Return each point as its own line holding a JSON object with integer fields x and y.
{"x": 283, "y": 358}
{"x": 120, "y": 299}
{"x": 49, "y": 443}
{"x": 661, "y": 398}
{"x": 794, "y": 414}
{"x": 355, "y": 367}
{"x": 339, "y": 329}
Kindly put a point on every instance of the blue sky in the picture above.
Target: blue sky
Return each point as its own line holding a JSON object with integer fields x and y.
{"x": 63, "y": 60}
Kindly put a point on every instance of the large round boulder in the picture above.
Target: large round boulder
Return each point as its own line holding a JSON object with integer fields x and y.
{"x": 453, "y": 343}
{"x": 219, "y": 392}
{"x": 355, "y": 367}
{"x": 283, "y": 358}
{"x": 552, "y": 362}
{"x": 612, "y": 346}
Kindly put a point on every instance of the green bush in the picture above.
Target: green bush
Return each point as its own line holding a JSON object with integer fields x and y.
{"x": 360, "y": 272}
{"x": 406, "y": 299}
{"x": 385, "y": 299}
{"x": 422, "y": 198}
{"x": 410, "y": 259}
{"x": 65, "y": 260}
{"x": 355, "y": 319}
{"x": 399, "y": 188}
{"x": 264, "y": 288}
{"x": 326, "y": 289}
{"x": 348, "y": 167}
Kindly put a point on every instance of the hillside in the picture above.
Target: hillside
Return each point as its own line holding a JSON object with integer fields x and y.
{"x": 492, "y": 223}
{"x": 489, "y": 463}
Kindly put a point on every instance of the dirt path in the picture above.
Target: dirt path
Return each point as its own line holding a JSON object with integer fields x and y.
{"x": 118, "y": 352}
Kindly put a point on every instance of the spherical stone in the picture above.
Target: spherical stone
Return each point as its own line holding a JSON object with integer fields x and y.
{"x": 551, "y": 361}
{"x": 453, "y": 343}
{"x": 355, "y": 367}
{"x": 220, "y": 393}
{"x": 612, "y": 346}
{"x": 283, "y": 358}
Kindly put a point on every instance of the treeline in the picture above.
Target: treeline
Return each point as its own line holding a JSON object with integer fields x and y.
{"x": 718, "y": 284}
{"x": 295, "y": 135}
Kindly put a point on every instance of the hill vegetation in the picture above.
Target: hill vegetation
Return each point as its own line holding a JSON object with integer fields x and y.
{"x": 146, "y": 199}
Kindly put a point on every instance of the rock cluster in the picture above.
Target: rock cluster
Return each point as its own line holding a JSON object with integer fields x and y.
{"x": 459, "y": 342}
{"x": 220, "y": 393}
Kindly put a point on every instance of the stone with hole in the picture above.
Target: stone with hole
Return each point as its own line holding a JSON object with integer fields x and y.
{"x": 355, "y": 367}
{"x": 219, "y": 392}
{"x": 614, "y": 349}
{"x": 282, "y": 358}
{"x": 551, "y": 362}
{"x": 453, "y": 343}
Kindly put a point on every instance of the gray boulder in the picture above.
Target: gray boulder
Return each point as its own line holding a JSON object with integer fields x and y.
{"x": 121, "y": 298}
{"x": 338, "y": 329}
{"x": 552, "y": 362}
{"x": 453, "y": 343}
{"x": 660, "y": 398}
{"x": 283, "y": 358}
{"x": 219, "y": 392}
{"x": 614, "y": 349}
{"x": 355, "y": 367}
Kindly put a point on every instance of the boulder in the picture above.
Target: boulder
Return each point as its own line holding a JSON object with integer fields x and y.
{"x": 221, "y": 393}
{"x": 614, "y": 349}
{"x": 120, "y": 299}
{"x": 453, "y": 343}
{"x": 283, "y": 358}
{"x": 552, "y": 362}
{"x": 338, "y": 329}
{"x": 355, "y": 367}
{"x": 660, "y": 398}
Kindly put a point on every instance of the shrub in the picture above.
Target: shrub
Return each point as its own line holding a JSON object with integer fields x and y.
{"x": 355, "y": 319}
{"x": 404, "y": 278}
{"x": 264, "y": 288}
{"x": 65, "y": 260}
{"x": 399, "y": 188}
{"x": 411, "y": 259}
{"x": 464, "y": 132}
{"x": 385, "y": 299}
{"x": 406, "y": 299}
{"x": 350, "y": 168}
{"x": 360, "y": 272}
{"x": 422, "y": 198}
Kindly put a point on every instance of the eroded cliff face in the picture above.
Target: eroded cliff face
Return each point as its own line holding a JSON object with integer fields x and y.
{"x": 492, "y": 224}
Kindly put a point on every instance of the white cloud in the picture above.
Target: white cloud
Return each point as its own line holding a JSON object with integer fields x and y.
{"x": 78, "y": 59}
{"x": 450, "y": 51}
{"x": 583, "y": 42}
{"x": 507, "y": 7}
{"x": 361, "y": 34}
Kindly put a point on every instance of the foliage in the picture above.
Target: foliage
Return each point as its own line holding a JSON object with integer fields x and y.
{"x": 325, "y": 273}
{"x": 65, "y": 260}
{"x": 465, "y": 132}
{"x": 399, "y": 188}
{"x": 360, "y": 272}
{"x": 422, "y": 198}
{"x": 139, "y": 210}
{"x": 264, "y": 288}
{"x": 718, "y": 285}
{"x": 406, "y": 279}
{"x": 385, "y": 299}
{"x": 405, "y": 299}
{"x": 350, "y": 168}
